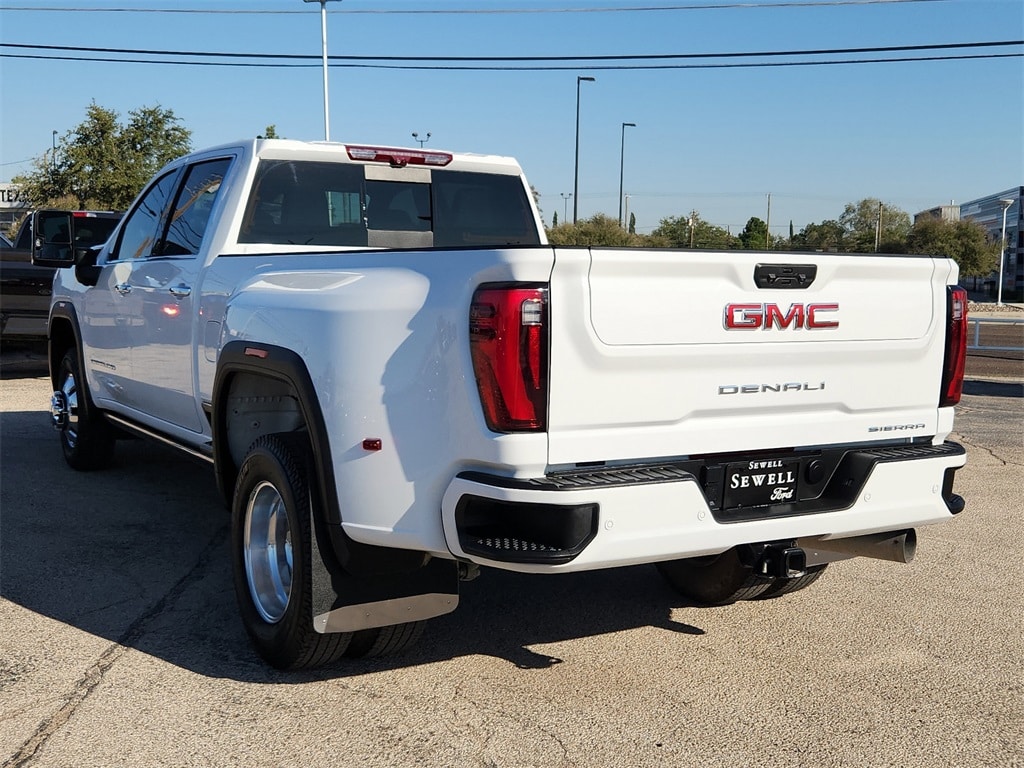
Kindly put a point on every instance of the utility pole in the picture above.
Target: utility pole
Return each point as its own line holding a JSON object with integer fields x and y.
{"x": 565, "y": 205}
{"x": 878, "y": 227}
{"x": 576, "y": 175}
{"x": 622, "y": 164}
{"x": 768, "y": 225}
{"x": 1006, "y": 203}
{"x": 323, "y": 39}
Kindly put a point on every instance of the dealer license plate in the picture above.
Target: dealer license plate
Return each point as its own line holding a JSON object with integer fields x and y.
{"x": 761, "y": 482}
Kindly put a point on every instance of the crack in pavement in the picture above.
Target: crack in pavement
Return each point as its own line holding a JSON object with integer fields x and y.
{"x": 95, "y": 674}
{"x": 989, "y": 451}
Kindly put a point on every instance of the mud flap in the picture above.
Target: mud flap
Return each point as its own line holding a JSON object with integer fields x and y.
{"x": 343, "y": 602}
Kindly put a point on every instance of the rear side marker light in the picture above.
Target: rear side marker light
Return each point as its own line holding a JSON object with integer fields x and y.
{"x": 956, "y": 347}
{"x": 509, "y": 345}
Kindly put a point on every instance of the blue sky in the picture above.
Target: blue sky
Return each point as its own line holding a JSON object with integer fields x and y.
{"x": 914, "y": 134}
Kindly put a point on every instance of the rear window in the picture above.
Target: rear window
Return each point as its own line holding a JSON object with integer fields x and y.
{"x": 317, "y": 203}
{"x": 94, "y": 230}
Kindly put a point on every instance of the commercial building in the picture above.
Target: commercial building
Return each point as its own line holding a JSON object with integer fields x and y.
{"x": 12, "y": 206}
{"x": 988, "y": 211}
{"x": 949, "y": 212}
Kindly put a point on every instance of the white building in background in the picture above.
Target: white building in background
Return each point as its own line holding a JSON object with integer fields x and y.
{"x": 12, "y": 207}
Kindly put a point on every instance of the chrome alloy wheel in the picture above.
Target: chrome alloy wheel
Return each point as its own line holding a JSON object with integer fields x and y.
{"x": 268, "y": 552}
{"x": 64, "y": 410}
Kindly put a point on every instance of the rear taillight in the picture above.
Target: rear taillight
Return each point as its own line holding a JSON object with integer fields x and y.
{"x": 508, "y": 340}
{"x": 956, "y": 347}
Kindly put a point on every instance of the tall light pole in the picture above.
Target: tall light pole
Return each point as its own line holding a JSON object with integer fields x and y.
{"x": 565, "y": 203}
{"x": 421, "y": 141}
{"x": 53, "y": 159}
{"x": 576, "y": 175}
{"x": 622, "y": 164}
{"x": 323, "y": 36}
{"x": 1006, "y": 203}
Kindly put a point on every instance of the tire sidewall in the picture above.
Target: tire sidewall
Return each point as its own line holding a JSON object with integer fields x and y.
{"x": 94, "y": 443}
{"x": 270, "y": 460}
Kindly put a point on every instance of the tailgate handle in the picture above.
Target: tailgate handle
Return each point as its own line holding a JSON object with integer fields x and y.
{"x": 785, "y": 275}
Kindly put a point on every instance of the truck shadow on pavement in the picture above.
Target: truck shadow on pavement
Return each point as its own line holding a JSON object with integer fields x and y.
{"x": 139, "y": 555}
{"x": 993, "y": 388}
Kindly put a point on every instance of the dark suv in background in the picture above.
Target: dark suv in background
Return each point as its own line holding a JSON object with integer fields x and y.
{"x": 25, "y": 288}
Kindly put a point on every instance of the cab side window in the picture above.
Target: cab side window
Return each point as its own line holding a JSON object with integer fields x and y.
{"x": 141, "y": 228}
{"x": 192, "y": 208}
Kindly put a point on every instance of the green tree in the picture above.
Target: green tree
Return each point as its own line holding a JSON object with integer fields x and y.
{"x": 860, "y": 220}
{"x": 554, "y": 219}
{"x": 102, "y": 163}
{"x": 966, "y": 242}
{"x": 755, "y": 235}
{"x": 632, "y": 223}
{"x": 597, "y": 230}
{"x": 827, "y": 236}
{"x": 270, "y": 133}
{"x": 692, "y": 232}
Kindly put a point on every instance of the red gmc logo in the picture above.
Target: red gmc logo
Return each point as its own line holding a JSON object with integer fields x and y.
{"x": 752, "y": 317}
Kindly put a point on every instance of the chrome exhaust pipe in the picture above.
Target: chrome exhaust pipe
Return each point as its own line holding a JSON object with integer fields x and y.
{"x": 894, "y": 546}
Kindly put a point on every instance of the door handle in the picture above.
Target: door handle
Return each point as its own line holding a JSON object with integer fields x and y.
{"x": 180, "y": 291}
{"x": 124, "y": 289}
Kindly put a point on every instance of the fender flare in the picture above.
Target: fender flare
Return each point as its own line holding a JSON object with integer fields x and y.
{"x": 287, "y": 366}
{"x": 63, "y": 311}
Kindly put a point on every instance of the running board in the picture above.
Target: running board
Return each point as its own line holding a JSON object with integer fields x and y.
{"x": 151, "y": 434}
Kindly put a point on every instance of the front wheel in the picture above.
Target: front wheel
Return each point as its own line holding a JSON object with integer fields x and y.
{"x": 271, "y": 556}
{"x": 86, "y": 438}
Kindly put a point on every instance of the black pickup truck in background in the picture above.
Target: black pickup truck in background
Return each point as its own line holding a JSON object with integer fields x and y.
{"x": 25, "y": 288}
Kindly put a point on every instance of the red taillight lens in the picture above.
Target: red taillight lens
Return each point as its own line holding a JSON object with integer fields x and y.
{"x": 508, "y": 340}
{"x": 956, "y": 347}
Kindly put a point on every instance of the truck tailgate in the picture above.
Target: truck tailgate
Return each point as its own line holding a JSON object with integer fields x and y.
{"x": 660, "y": 354}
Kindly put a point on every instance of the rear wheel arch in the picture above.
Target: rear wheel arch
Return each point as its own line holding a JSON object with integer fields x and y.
{"x": 250, "y": 369}
{"x": 268, "y": 391}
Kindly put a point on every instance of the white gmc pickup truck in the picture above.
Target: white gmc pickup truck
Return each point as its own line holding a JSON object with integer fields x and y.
{"x": 397, "y": 381}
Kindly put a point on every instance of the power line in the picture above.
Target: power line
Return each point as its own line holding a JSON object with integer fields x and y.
{"x": 577, "y": 59}
{"x": 702, "y": 6}
{"x": 547, "y": 68}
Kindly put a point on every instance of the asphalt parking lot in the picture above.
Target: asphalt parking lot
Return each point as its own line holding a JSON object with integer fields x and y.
{"x": 120, "y": 643}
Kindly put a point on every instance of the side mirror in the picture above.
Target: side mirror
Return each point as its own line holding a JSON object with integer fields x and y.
{"x": 53, "y": 234}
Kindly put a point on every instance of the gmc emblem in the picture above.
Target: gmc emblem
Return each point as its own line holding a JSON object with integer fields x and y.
{"x": 752, "y": 317}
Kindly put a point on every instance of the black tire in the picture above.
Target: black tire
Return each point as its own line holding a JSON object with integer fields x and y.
{"x": 714, "y": 580}
{"x": 273, "y": 581}
{"x": 86, "y": 438}
{"x": 384, "y": 641}
{"x": 781, "y": 587}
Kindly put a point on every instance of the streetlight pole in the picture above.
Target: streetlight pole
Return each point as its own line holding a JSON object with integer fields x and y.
{"x": 416, "y": 136}
{"x": 323, "y": 37}
{"x": 53, "y": 159}
{"x": 576, "y": 175}
{"x": 1006, "y": 203}
{"x": 565, "y": 204}
{"x": 622, "y": 164}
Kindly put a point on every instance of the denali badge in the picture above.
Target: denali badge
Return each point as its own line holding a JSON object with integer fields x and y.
{"x": 753, "y": 389}
{"x": 751, "y": 317}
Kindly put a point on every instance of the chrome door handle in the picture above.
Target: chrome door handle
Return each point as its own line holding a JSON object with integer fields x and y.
{"x": 180, "y": 291}
{"x": 124, "y": 289}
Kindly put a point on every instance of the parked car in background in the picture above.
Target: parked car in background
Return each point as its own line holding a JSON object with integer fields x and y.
{"x": 25, "y": 287}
